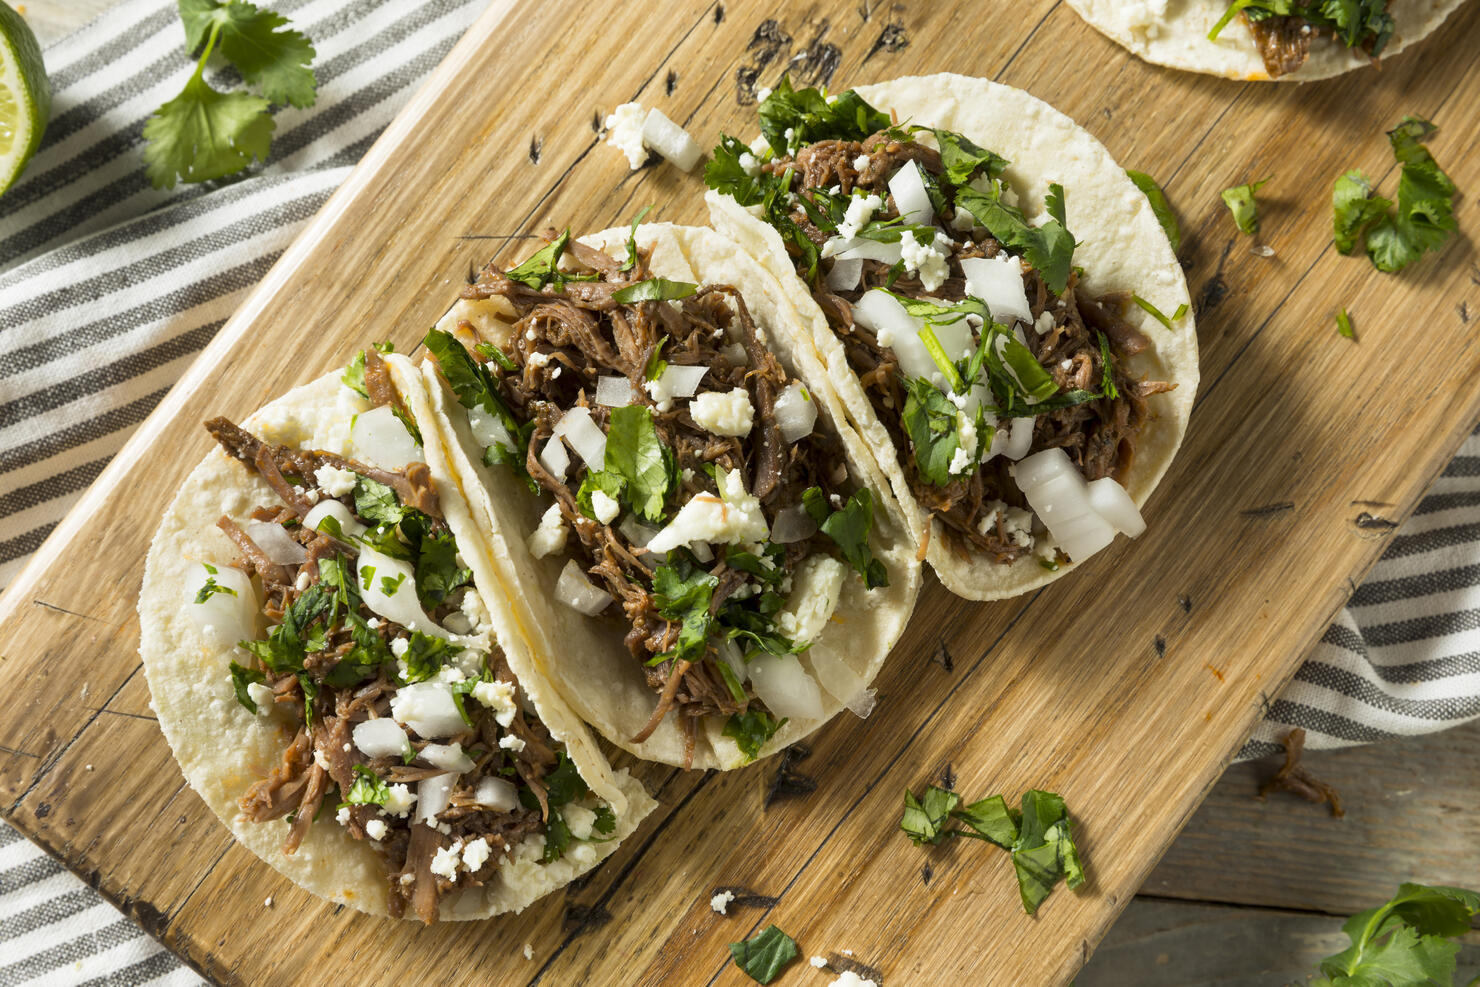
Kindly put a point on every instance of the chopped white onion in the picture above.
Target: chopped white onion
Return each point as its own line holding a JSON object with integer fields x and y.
{"x": 388, "y": 587}
{"x": 554, "y": 458}
{"x": 998, "y": 281}
{"x": 576, "y": 591}
{"x": 1020, "y": 438}
{"x": 885, "y": 317}
{"x": 429, "y": 709}
{"x": 1111, "y": 501}
{"x": 845, "y": 274}
{"x": 796, "y": 412}
{"x": 792, "y": 525}
{"x": 497, "y": 794}
{"x": 222, "y": 616}
{"x": 670, "y": 140}
{"x": 584, "y": 436}
{"x": 910, "y": 197}
{"x": 730, "y": 654}
{"x": 348, "y": 526}
{"x": 379, "y": 438}
{"x": 448, "y": 757}
{"x": 488, "y": 429}
{"x": 432, "y": 796}
{"x": 636, "y": 533}
{"x": 839, "y": 678}
{"x": 785, "y": 687}
{"x": 682, "y": 381}
{"x": 735, "y": 353}
{"x": 614, "y": 392}
{"x": 381, "y": 737}
{"x": 845, "y": 248}
{"x": 862, "y": 704}
{"x": 1057, "y": 493}
{"x": 276, "y": 543}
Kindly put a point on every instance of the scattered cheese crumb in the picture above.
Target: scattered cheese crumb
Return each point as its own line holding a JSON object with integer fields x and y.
{"x": 334, "y": 481}
{"x": 727, "y": 413}
{"x": 399, "y": 801}
{"x": 928, "y": 259}
{"x": 624, "y": 132}
{"x": 342, "y": 816}
{"x": 605, "y": 508}
{"x": 721, "y": 901}
{"x": 819, "y": 961}
{"x": 89, "y": 767}
{"x": 376, "y": 829}
{"x": 444, "y": 864}
{"x": 267, "y": 903}
{"x": 528, "y": 951}
{"x": 549, "y": 537}
{"x": 499, "y": 697}
{"x": 476, "y": 854}
{"x": 851, "y": 979}
{"x": 511, "y": 743}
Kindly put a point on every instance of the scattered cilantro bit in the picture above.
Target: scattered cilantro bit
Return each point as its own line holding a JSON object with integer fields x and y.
{"x": 242, "y": 677}
{"x": 1353, "y": 22}
{"x": 1157, "y": 313}
{"x": 1107, "y": 366}
{"x": 1424, "y": 218}
{"x": 475, "y": 388}
{"x": 368, "y": 789}
{"x": 653, "y": 290}
{"x": 425, "y": 656}
{"x": 631, "y": 260}
{"x": 793, "y": 118}
{"x": 1406, "y": 941}
{"x": 962, "y": 159}
{"x": 1037, "y": 836}
{"x": 1048, "y": 247}
{"x": 849, "y": 528}
{"x": 1344, "y": 325}
{"x": 726, "y": 175}
{"x": 491, "y": 352}
{"x": 931, "y": 421}
{"x": 751, "y": 729}
{"x": 543, "y": 267}
{"x": 211, "y": 588}
{"x": 204, "y": 133}
{"x": 636, "y": 455}
{"x": 565, "y": 786}
{"x": 374, "y": 501}
{"x": 354, "y": 374}
{"x": 681, "y": 592}
{"x": 763, "y": 957}
{"x": 437, "y": 571}
{"x": 1160, "y": 207}
{"x": 1245, "y": 208}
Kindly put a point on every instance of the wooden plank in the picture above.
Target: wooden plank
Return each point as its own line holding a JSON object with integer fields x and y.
{"x": 1106, "y": 689}
{"x": 1175, "y": 944}
{"x": 1412, "y": 814}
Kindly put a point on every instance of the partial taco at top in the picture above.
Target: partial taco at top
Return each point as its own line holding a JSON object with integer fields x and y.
{"x": 342, "y": 680}
{"x": 1285, "y": 40}
{"x": 710, "y": 566}
{"x": 966, "y": 258}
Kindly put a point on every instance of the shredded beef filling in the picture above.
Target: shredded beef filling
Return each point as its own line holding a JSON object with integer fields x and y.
{"x": 322, "y": 756}
{"x": 563, "y": 342}
{"x": 1099, "y": 436}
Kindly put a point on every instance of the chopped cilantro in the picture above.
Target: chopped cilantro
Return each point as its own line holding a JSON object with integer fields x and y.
{"x": 764, "y": 957}
{"x": 376, "y": 502}
{"x": 962, "y": 159}
{"x": 368, "y": 789}
{"x": 1244, "y": 206}
{"x": 653, "y": 290}
{"x": 682, "y": 592}
{"x": 1424, "y": 218}
{"x": 631, "y": 260}
{"x": 636, "y": 454}
{"x": 211, "y": 588}
{"x": 1406, "y": 941}
{"x": 751, "y": 729}
{"x": 1048, "y": 247}
{"x": 932, "y": 423}
{"x": 1157, "y": 313}
{"x": 1353, "y": 22}
{"x": 425, "y": 656}
{"x": 926, "y": 820}
{"x": 1160, "y": 207}
{"x": 438, "y": 574}
{"x": 543, "y": 267}
{"x": 849, "y": 527}
{"x": 242, "y": 677}
{"x": 1344, "y": 325}
{"x": 793, "y": 118}
{"x": 475, "y": 388}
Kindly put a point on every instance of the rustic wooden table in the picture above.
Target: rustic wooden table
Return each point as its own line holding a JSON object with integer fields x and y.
{"x": 1247, "y": 894}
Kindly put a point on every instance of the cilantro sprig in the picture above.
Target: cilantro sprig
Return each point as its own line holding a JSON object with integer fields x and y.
{"x": 763, "y": 957}
{"x": 1406, "y": 941}
{"x": 1244, "y": 207}
{"x": 203, "y": 133}
{"x": 849, "y": 528}
{"x": 1160, "y": 207}
{"x": 1424, "y": 218}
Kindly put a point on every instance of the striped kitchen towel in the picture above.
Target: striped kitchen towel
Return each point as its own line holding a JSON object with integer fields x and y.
{"x": 108, "y": 288}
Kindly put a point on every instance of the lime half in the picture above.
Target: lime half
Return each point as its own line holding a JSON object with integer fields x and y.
{"x": 25, "y": 95}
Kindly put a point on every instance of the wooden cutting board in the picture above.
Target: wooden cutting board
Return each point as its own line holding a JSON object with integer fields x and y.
{"x": 1126, "y": 687}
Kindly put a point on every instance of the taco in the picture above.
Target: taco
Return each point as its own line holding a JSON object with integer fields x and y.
{"x": 341, "y": 680}
{"x": 1287, "y": 40}
{"x": 992, "y": 360}
{"x": 710, "y": 567}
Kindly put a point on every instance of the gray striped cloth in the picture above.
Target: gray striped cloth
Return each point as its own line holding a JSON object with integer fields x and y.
{"x": 108, "y": 288}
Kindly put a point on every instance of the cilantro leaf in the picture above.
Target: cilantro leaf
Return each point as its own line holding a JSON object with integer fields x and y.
{"x": 266, "y": 53}
{"x": 1424, "y": 218}
{"x": 425, "y": 655}
{"x": 682, "y": 592}
{"x": 564, "y": 784}
{"x": 1353, "y": 22}
{"x": 849, "y": 528}
{"x": 924, "y": 820}
{"x": 374, "y": 501}
{"x": 764, "y": 957}
{"x": 809, "y": 116}
{"x": 751, "y": 730}
{"x": 211, "y": 588}
{"x": 1405, "y": 941}
{"x": 1160, "y": 207}
{"x": 1355, "y": 208}
{"x": 203, "y": 134}
{"x": 242, "y": 677}
{"x": 1344, "y": 325}
{"x": 725, "y": 174}
{"x": 990, "y": 820}
{"x": 1157, "y": 313}
{"x": 653, "y": 290}
{"x": 437, "y": 571}
{"x": 1244, "y": 206}
{"x": 931, "y": 421}
{"x": 543, "y": 267}
{"x": 1049, "y": 247}
{"x": 368, "y": 788}
{"x": 631, "y": 260}
{"x": 635, "y": 453}
{"x": 962, "y": 159}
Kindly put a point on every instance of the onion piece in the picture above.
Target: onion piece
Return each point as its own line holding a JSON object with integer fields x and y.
{"x": 276, "y": 543}
{"x": 730, "y": 655}
{"x": 796, "y": 412}
{"x": 1058, "y": 494}
{"x": 682, "y": 381}
{"x": 1039, "y": 467}
{"x": 584, "y": 436}
{"x": 429, "y": 709}
{"x": 793, "y": 524}
{"x": 1020, "y": 438}
{"x": 381, "y": 737}
{"x": 840, "y": 680}
{"x": 325, "y": 509}
{"x": 735, "y": 353}
{"x": 554, "y": 458}
{"x": 614, "y": 392}
{"x": 225, "y": 617}
{"x": 497, "y": 794}
{"x": 378, "y": 437}
{"x": 670, "y": 140}
{"x": 388, "y": 587}
{"x": 998, "y": 281}
{"x": 785, "y": 687}
{"x": 1113, "y": 503}
{"x": 488, "y": 429}
{"x": 910, "y": 197}
{"x": 845, "y": 274}
{"x": 448, "y": 757}
{"x": 636, "y": 533}
{"x": 895, "y": 328}
{"x": 432, "y": 796}
{"x": 577, "y": 592}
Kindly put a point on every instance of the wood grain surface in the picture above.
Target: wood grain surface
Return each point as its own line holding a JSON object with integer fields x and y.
{"x": 1126, "y": 687}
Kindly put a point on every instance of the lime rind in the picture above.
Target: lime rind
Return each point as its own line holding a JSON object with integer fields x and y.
{"x": 25, "y": 95}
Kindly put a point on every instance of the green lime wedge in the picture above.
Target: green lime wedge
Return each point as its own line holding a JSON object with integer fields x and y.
{"x": 25, "y": 95}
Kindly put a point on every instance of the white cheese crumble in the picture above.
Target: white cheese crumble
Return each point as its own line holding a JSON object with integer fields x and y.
{"x": 624, "y": 132}
{"x": 722, "y": 412}
{"x": 722, "y": 901}
{"x": 528, "y": 951}
{"x": 927, "y": 259}
{"x": 267, "y": 903}
{"x": 376, "y": 829}
{"x": 511, "y": 743}
{"x": 860, "y": 162}
{"x": 444, "y": 864}
{"x": 499, "y": 697}
{"x": 399, "y": 647}
{"x": 1017, "y": 523}
{"x": 819, "y": 961}
{"x": 342, "y": 816}
{"x": 580, "y": 820}
{"x": 301, "y": 583}
{"x": 398, "y": 801}
{"x": 334, "y": 481}
{"x": 762, "y": 94}
{"x": 960, "y": 460}
{"x": 860, "y": 210}
{"x": 262, "y": 695}
{"x": 476, "y": 854}
{"x": 729, "y": 519}
{"x": 549, "y": 537}
{"x": 1043, "y": 325}
{"x": 749, "y": 164}
{"x": 605, "y": 508}
{"x": 851, "y": 979}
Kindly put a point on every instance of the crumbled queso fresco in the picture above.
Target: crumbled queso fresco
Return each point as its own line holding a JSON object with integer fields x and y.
{"x": 721, "y": 901}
